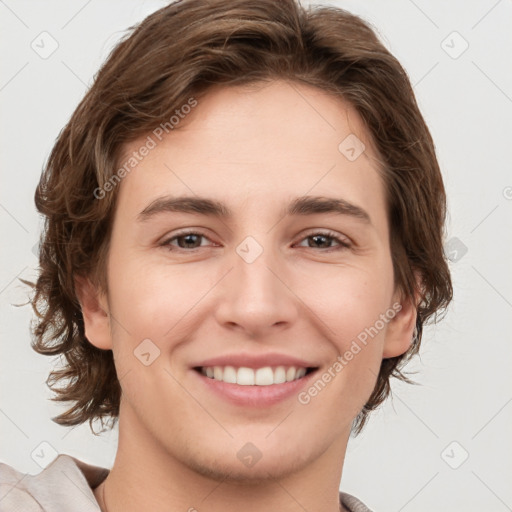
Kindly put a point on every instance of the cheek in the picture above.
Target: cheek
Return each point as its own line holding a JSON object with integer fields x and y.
{"x": 155, "y": 311}
{"x": 352, "y": 313}
{"x": 152, "y": 300}
{"x": 144, "y": 301}
{"x": 361, "y": 325}
{"x": 351, "y": 299}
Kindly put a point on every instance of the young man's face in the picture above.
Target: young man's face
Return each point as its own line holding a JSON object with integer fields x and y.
{"x": 257, "y": 289}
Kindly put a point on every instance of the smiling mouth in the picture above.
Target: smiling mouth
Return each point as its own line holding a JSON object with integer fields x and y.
{"x": 265, "y": 376}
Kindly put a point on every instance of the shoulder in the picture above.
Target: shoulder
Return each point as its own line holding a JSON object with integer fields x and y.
{"x": 352, "y": 504}
{"x": 65, "y": 484}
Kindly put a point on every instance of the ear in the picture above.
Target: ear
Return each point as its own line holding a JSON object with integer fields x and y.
{"x": 95, "y": 312}
{"x": 400, "y": 329}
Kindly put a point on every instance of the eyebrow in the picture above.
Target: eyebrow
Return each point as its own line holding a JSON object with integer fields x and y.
{"x": 306, "y": 205}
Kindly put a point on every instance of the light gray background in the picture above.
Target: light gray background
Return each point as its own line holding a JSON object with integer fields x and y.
{"x": 402, "y": 461}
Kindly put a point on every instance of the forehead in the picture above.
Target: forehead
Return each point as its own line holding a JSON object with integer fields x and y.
{"x": 258, "y": 145}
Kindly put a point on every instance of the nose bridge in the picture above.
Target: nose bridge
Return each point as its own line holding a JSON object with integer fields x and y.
{"x": 255, "y": 268}
{"x": 256, "y": 296}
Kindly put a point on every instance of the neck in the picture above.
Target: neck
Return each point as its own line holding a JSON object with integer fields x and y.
{"x": 145, "y": 476}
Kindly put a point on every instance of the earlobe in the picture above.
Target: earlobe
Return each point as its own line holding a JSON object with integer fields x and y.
{"x": 401, "y": 328}
{"x": 400, "y": 331}
{"x": 95, "y": 313}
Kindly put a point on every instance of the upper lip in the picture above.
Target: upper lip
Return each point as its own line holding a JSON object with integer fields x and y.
{"x": 255, "y": 361}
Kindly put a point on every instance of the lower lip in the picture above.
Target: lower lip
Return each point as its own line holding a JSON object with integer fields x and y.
{"x": 255, "y": 396}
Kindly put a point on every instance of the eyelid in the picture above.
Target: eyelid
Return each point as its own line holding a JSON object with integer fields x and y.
{"x": 166, "y": 242}
{"x": 343, "y": 241}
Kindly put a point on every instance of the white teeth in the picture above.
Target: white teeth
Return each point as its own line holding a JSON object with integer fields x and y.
{"x": 264, "y": 376}
{"x": 217, "y": 373}
{"x": 243, "y": 376}
{"x": 229, "y": 375}
{"x": 279, "y": 375}
{"x": 300, "y": 373}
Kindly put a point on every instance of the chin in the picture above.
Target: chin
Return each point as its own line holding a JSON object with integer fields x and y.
{"x": 234, "y": 471}
{"x": 250, "y": 462}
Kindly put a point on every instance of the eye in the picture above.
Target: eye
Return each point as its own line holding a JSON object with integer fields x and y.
{"x": 192, "y": 240}
{"x": 324, "y": 239}
{"x": 185, "y": 240}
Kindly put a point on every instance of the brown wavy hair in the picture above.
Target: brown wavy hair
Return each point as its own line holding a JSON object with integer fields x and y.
{"x": 178, "y": 52}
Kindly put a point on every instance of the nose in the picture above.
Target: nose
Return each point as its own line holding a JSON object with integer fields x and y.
{"x": 256, "y": 298}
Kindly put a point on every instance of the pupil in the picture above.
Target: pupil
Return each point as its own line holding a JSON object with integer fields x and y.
{"x": 325, "y": 238}
{"x": 188, "y": 240}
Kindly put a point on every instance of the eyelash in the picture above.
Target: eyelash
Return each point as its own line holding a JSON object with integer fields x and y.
{"x": 343, "y": 244}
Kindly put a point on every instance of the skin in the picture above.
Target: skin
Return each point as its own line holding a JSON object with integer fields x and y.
{"x": 254, "y": 148}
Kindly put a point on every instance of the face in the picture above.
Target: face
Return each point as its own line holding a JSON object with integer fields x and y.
{"x": 279, "y": 259}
